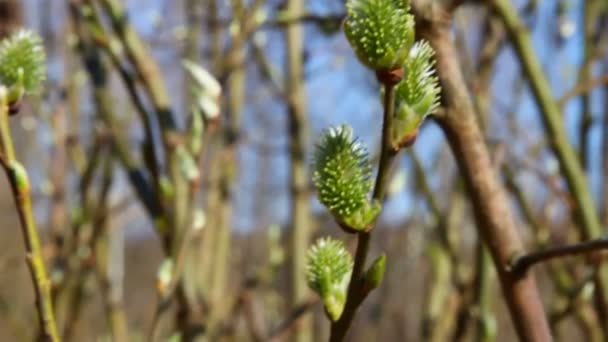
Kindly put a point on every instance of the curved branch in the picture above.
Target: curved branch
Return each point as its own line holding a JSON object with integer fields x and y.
{"x": 522, "y": 264}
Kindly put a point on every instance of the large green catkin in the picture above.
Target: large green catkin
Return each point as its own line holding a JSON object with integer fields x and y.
{"x": 417, "y": 95}
{"x": 342, "y": 176}
{"x": 342, "y": 172}
{"x": 419, "y": 90}
{"x": 22, "y": 61}
{"x": 381, "y": 32}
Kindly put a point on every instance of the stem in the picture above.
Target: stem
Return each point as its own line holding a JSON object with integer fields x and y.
{"x": 356, "y": 295}
{"x": 493, "y": 216}
{"x": 20, "y": 186}
{"x": 570, "y": 165}
{"x": 521, "y": 264}
{"x": 590, "y": 13}
{"x": 387, "y": 152}
{"x": 278, "y": 333}
{"x": 560, "y": 277}
{"x": 300, "y": 196}
{"x": 582, "y": 88}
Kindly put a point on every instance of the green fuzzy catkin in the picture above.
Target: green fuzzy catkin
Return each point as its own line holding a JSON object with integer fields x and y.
{"x": 417, "y": 95}
{"x": 381, "y": 32}
{"x": 342, "y": 173}
{"x": 328, "y": 269}
{"x": 22, "y": 61}
{"x": 419, "y": 90}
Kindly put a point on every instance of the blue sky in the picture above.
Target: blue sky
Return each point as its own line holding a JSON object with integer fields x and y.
{"x": 340, "y": 90}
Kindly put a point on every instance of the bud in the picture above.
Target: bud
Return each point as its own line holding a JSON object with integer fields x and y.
{"x": 203, "y": 78}
{"x": 417, "y": 95}
{"x": 380, "y": 32}
{"x": 164, "y": 276}
{"x": 19, "y": 174}
{"x": 22, "y": 64}
{"x": 329, "y": 266}
{"x": 342, "y": 176}
{"x": 373, "y": 277}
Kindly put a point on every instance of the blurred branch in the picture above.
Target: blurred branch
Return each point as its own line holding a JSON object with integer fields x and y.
{"x": 557, "y": 136}
{"x": 304, "y": 17}
{"x": 582, "y": 88}
{"x": 297, "y": 130}
{"x": 96, "y": 68}
{"x": 591, "y": 12}
{"x": 145, "y": 67}
{"x": 279, "y": 332}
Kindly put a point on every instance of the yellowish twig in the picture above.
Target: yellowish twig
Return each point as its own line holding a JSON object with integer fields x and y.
{"x": 20, "y": 185}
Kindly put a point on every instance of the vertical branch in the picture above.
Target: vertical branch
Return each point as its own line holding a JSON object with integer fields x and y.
{"x": 445, "y": 314}
{"x": 556, "y": 134}
{"x": 486, "y": 330}
{"x": 212, "y": 174}
{"x": 491, "y": 208}
{"x": 604, "y": 151}
{"x": 436, "y": 324}
{"x": 300, "y": 197}
{"x": 356, "y": 293}
{"x": 226, "y": 164}
{"x": 110, "y": 263}
{"x": 146, "y": 68}
{"x": 20, "y": 186}
{"x": 591, "y": 11}
{"x": 188, "y": 317}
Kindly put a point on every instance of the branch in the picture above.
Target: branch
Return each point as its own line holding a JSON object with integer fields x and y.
{"x": 280, "y": 330}
{"x": 356, "y": 293}
{"x": 305, "y": 18}
{"x": 521, "y": 264}
{"x": 493, "y": 215}
{"x": 20, "y": 186}
{"x": 556, "y": 133}
{"x": 582, "y": 88}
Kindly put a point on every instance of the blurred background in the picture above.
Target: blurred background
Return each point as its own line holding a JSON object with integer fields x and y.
{"x": 120, "y": 115}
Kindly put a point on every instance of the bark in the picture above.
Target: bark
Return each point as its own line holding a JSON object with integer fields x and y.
{"x": 300, "y": 197}
{"x": 491, "y": 207}
{"x": 556, "y": 134}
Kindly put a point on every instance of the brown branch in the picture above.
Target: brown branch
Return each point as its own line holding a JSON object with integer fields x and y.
{"x": 279, "y": 332}
{"x": 493, "y": 215}
{"x": 582, "y": 88}
{"x": 521, "y": 264}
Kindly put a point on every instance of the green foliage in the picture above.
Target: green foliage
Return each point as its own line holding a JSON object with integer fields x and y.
{"x": 342, "y": 176}
{"x": 380, "y": 31}
{"x": 329, "y": 267}
{"x": 417, "y": 95}
{"x": 22, "y": 63}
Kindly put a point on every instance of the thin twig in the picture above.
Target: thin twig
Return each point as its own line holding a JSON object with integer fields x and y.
{"x": 582, "y": 88}
{"x": 278, "y": 333}
{"x": 521, "y": 264}
{"x": 20, "y": 185}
